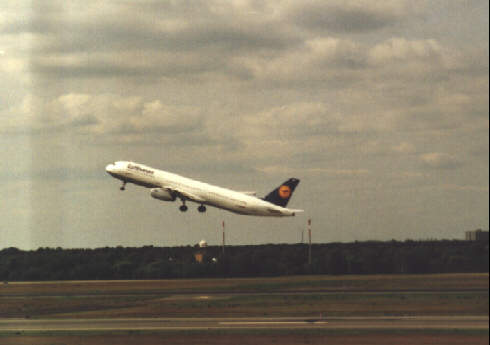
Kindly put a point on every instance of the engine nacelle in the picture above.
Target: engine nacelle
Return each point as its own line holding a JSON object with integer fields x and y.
{"x": 162, "y": 194}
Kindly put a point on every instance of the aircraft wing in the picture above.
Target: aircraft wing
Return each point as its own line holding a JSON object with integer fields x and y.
{"x": 249, "y": 193}
{"x": 181, "y": 192}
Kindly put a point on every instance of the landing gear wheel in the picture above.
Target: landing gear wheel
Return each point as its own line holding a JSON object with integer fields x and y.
{"x": 123, "y": 187}
{"x": 183, "y": 208}
{"x": 201, "y": 208}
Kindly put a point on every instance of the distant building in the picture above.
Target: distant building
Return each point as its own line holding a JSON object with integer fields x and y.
{"x": 199, "y": 255}
{"x": 476, "y": 235}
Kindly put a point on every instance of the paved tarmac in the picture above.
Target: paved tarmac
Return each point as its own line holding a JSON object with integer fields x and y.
{"x": 162, "y": 324}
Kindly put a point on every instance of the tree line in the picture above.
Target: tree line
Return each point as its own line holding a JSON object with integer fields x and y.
{"x": 149, "y": 262}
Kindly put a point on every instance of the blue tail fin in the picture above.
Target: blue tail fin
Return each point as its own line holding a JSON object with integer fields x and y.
{"x": 281, "y": 195}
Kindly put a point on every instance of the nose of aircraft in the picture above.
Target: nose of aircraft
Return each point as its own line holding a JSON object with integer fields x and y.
{"x": 109, "y": 168}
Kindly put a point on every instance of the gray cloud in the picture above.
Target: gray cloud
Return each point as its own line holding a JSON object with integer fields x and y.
{"x": 325, "y": 17}
{"x": 368, "y": 103}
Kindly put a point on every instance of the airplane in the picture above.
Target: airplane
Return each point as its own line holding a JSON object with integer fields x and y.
{"x": 167, "y": 186}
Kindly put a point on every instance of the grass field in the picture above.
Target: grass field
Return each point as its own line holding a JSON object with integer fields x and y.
{"x": 390, "y": 295}
{"x": 364, "y": 338}
{"x": 432, "y": 282}
{"x": 452, "y": 294}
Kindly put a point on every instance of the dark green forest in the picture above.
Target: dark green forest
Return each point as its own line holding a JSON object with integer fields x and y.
{"x": 149, "y": 262}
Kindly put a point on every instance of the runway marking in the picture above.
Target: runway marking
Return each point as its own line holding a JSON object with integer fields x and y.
{"x": 273, "y": 322}
{"x": 281, "y": 323}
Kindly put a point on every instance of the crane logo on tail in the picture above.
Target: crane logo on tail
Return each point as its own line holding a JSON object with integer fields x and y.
{"x": 280, "y": 196}
{"x": 284, "y": 191}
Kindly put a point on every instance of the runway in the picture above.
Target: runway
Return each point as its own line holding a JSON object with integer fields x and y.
{"x": 163, "y": 324}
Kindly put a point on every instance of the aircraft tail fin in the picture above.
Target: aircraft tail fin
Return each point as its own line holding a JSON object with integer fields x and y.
{"x": 281, "y": 195}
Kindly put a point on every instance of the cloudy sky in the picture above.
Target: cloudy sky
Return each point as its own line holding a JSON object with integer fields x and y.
{"x": 380, "y": 108}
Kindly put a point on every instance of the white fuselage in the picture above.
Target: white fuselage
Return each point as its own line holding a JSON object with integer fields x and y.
{"x": 199, "y": 192}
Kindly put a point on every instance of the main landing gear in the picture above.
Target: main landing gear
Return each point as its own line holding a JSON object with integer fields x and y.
{"x": 184, "y": 208}
{"x": 123, "y": 187}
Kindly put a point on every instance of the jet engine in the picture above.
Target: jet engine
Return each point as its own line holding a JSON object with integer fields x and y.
{"x": 163, "y": 194}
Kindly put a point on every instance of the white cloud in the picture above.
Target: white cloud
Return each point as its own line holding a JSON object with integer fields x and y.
{"x": 439, "y": 160}
{"x": 399, "y": 50}
{"x": 289, "y": 120}
{"x": 317, "y": 59}
{"x": 98, "y": 114}
{"x": 404, "y": 148}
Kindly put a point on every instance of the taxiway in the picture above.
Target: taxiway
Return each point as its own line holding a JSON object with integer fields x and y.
{"x": 162, "y": 324}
